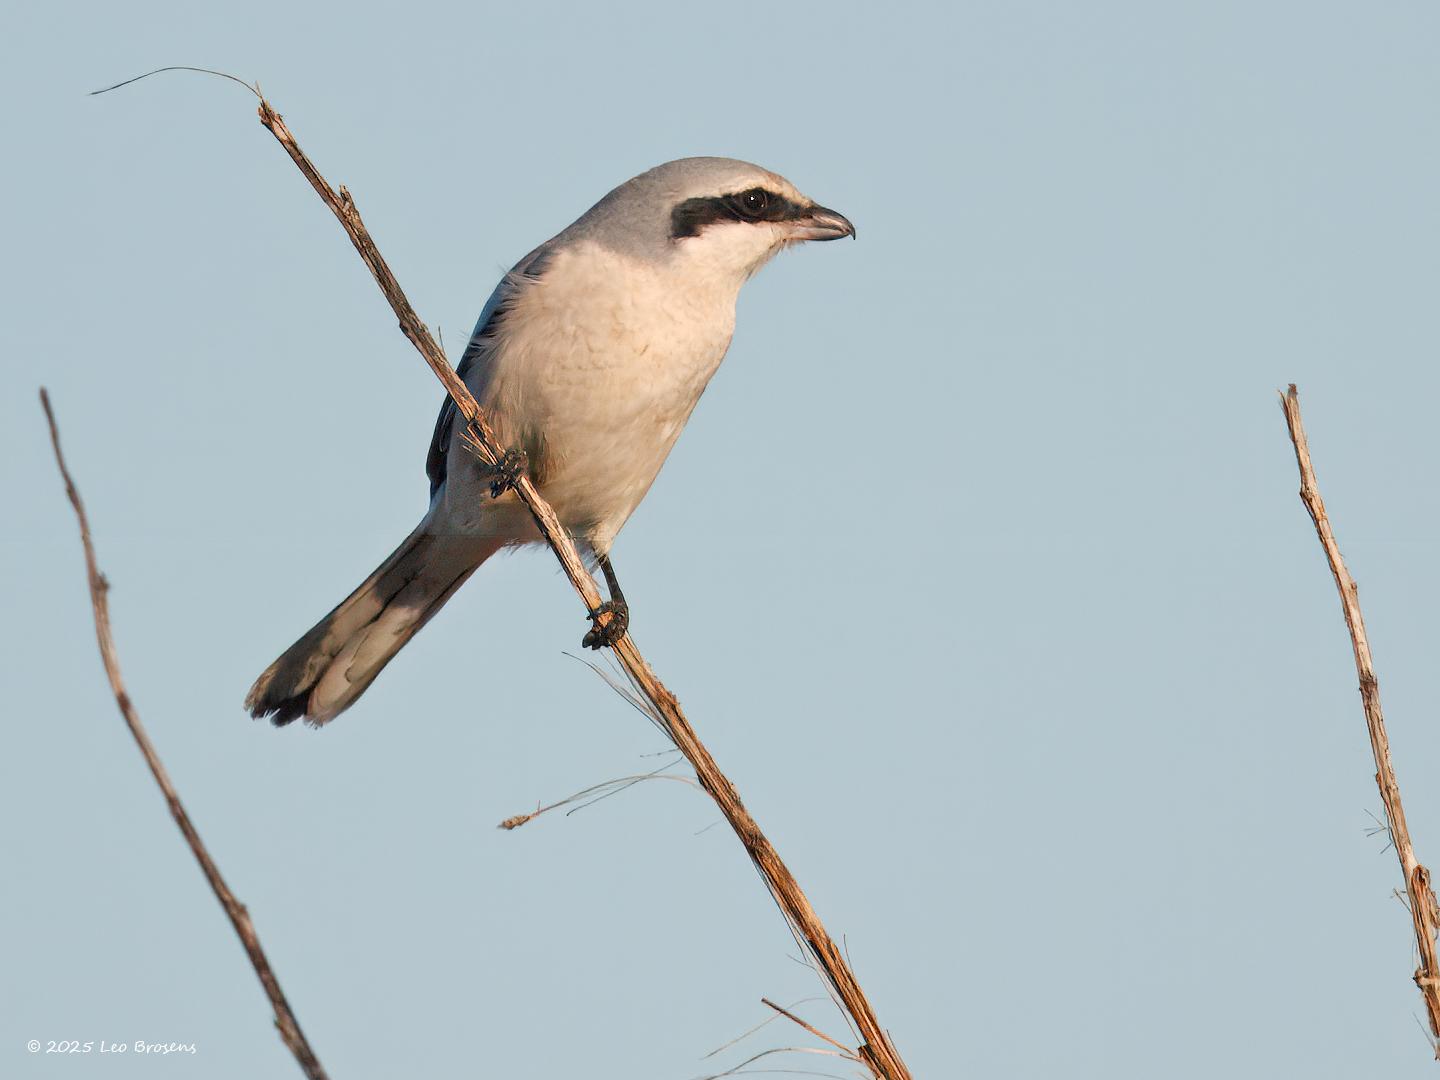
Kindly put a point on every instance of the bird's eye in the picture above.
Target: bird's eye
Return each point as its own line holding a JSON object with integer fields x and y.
{"x": 753, "y": 202}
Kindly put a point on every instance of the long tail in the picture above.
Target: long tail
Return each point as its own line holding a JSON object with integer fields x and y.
{"x": 322, "y": 674}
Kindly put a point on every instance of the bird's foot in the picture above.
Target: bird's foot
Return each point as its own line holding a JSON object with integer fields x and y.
{"x": 610, "y": 619}
{"x": 506, "y": 472}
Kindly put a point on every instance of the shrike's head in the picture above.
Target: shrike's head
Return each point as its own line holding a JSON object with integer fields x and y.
{"x": 715, "y": 216}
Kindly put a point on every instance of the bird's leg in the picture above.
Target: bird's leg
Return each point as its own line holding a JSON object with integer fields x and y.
{"x": 506, "y": 472}
{"x": 612, "y": 629}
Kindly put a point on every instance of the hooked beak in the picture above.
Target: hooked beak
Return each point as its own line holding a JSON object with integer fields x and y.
{"x": 820, "y": 223}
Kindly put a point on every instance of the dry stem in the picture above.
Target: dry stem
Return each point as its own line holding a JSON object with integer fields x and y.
{"x": 875, "y": 1048}
{"x": 285, "y": 1020}
{"x": 806, "y": 1025}
{"x": 1423, "y": 910}
{"x": 609, "y": 787}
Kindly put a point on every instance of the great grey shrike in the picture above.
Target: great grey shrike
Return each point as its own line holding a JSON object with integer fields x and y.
{"x": 587, "y": 359}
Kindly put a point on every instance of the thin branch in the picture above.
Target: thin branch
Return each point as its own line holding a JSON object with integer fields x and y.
{"x": 813, "y": 1030}
{"x": 740, "y": 1070}
{"x": 1424, "y": 913}
{"x": 633, "y": 699}
{"x": 180, "y": 67}
{"x": 609, "y": 787}
{"x": 763, "y": 1023}
{"x": 876, "y": 1049}
{"x": 285, "y": 1020}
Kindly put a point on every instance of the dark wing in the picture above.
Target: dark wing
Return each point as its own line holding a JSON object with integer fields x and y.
{"x": 472, "y": 368}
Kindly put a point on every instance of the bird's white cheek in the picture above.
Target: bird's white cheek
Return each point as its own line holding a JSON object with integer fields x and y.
{"x": 731, "y": 252}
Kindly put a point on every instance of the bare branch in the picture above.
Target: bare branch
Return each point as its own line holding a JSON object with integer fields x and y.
{"x": 740, "y": 1070}
{"x": 813, "y": 1030}
{"x": 1424, "y": 914}
{"x": 600, "y": 790}
{"x": 180, "y": 67}
{"x": 285, "y": 1020}
{"x": 876, "y": 1049}
{"x": 763, "y": 1023}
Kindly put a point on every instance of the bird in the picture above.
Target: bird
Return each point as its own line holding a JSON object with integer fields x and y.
{"x": 587, "y": 360}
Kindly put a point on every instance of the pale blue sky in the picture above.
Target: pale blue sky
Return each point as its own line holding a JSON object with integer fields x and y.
{"x": 980, "y": 566}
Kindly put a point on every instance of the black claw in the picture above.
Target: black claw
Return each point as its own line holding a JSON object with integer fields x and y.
{"x": 613, "y": 628}
{"x": 506, "y": 472}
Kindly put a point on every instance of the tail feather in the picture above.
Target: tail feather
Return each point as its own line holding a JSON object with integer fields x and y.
{"x": 323, "y": 673}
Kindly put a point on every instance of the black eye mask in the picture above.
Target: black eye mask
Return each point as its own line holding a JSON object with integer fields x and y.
{"x": 753, "y": 204}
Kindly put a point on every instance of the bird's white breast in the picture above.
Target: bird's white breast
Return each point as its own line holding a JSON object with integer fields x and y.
{"x": 595, "y": 369}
